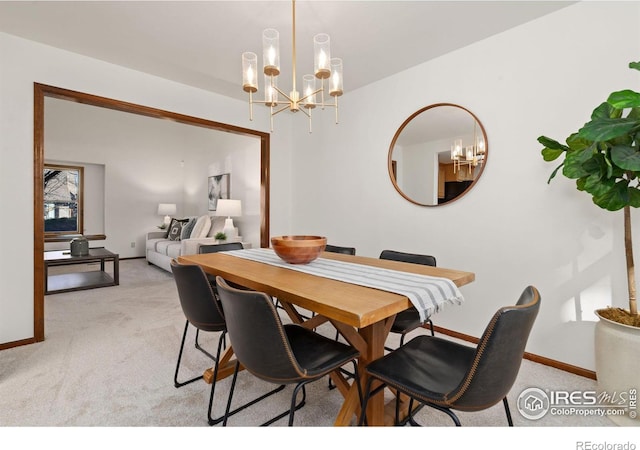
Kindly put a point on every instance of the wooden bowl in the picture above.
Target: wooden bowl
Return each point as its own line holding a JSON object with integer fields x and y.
{"x": 298, "y": 249}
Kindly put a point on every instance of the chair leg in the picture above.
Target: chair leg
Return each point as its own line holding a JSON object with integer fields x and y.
{"x": 228, "y": 413}
{"x": 197, "y": 344}
{"x": 290, "y": 410}
{"x": 293, "y": 408}
{"x": 365, "y": 400}
{"x": 431, "y": 327}
{"x": 446, "y": 411}
{"x": 210, "y": 419}
{"x": 176, "y": 383}
{"x": 507, "y": 411}
{"x": 396, "y": 421}
{"x": 231, "y": 389}
{"x": 331, "y": 385}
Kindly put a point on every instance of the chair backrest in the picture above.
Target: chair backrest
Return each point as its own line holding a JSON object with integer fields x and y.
{"x": 339, "y": 249}
{"x": 498, "y": 355}
{"x": 414, "y": 258}
{"x": 214, "y": 248}
{"x": 257, "y": 335}
{"x": 197, "y": 299}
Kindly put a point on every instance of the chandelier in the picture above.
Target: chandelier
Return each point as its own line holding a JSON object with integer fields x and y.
{"x": 326, "y": 70}
{"x": 471, "y": 155}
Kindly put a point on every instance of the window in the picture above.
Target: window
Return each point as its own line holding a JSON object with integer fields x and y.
{"x": 63, "y": 192}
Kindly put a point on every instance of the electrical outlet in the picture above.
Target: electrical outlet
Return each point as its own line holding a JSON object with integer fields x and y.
{"x": 133, "y": 244}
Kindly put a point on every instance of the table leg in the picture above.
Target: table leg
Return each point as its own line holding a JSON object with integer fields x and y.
{"x": 116, "y": 270}
{"x": 374, "y": 336}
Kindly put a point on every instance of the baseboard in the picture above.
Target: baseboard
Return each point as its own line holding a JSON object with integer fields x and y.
{"x": 530, "y": 356}
{"x": 8, "y": 345}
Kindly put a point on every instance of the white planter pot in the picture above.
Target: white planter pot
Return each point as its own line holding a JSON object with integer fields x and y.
{"x": 617, "y": 348}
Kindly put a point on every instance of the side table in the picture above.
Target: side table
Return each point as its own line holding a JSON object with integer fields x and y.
{"x": 76, "y": 281}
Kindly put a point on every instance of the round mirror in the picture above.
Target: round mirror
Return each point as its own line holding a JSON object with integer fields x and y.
{"x": 437, "y": 154}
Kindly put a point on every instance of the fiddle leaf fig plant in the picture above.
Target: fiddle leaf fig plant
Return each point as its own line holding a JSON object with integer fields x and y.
{"x": 604, "y": 158}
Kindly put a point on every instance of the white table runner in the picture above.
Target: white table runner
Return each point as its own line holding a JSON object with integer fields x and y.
{"x": 428, "y": 294}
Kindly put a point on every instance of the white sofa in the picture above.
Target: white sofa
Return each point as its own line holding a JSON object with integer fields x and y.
{"x": 160, "y": 250}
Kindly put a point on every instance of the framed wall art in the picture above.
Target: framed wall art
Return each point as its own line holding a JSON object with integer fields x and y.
{"x": 219, "y": 187}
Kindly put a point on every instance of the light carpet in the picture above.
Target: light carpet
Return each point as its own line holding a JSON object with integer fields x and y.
{"x": 109, "y": 356}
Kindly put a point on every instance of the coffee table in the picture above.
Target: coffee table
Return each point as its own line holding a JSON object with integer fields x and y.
{"x": 76, "y": 281}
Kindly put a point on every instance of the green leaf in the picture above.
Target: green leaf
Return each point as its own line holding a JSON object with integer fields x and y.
{"x": 552, "y": 144}
{"x": 576, "y": 142}
{"x": 634, "y": 65}
{"x": 597, "y": 186}
{"x": 550, "y": 154}
{"x": 606, "y": 111}
{"x": 634, "y": 113}
{"x": 604, "y": 129}
{"x": 614, "y": 199}
{"x": 576, "y": 164}
{"x": 624, "y": 99}
{"x": 634, "y": 197}
{"x": 625, "y": 157}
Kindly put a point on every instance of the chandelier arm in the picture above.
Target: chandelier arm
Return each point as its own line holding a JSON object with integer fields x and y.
{"x": 305, "y": 113}
{"x": 309, "y": 95}
{"x": 262, "y": 102}
{"x": 283, "y": 93}
{"x": 280, "y": 110}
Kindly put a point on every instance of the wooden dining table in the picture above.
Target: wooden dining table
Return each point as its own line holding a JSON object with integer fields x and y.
{"x": 362, "y": 315}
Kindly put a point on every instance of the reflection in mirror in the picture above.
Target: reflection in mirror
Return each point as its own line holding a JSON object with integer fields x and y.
{"x": 437, "y": 154}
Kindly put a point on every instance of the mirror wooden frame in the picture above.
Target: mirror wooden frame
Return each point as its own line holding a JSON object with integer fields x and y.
{"x": 40, "y": 92}
{"x": 391, "y": 164}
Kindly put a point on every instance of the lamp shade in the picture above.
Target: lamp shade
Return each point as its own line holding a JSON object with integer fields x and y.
{"x": 166, "y": 209}
{"x": 229, "y": 208}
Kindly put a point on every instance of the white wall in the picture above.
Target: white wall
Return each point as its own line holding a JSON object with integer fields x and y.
{"x": 512, "y": 229}
{"x": 238, "y": 156}
{"x": 25, "y": 62}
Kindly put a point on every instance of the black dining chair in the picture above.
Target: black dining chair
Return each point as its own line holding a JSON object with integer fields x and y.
{"x": 409, "y": 319}
{"x": 449, "y": 376}
{"x": 276, "y": 352}
{"x": 204, "y": 312}
{"x": 215, "y": 248}
{"x": 340, "y": 249}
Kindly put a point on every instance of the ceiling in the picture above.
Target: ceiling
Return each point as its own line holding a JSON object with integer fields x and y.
{"x": 199, "y": 43}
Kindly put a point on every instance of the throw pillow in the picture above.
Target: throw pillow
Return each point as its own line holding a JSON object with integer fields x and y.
{"x": 201, "y": 228}
{"x": 217, "y": 224}
{"x": 175, "y": 229}
{"x": 187, "y": 229}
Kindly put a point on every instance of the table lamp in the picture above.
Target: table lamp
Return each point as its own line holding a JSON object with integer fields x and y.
{"x": 229, "y": 208}
{"x": 167, "y": 210}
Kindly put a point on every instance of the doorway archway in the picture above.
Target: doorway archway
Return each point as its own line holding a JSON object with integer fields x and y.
{"x": 40, "y": 92}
